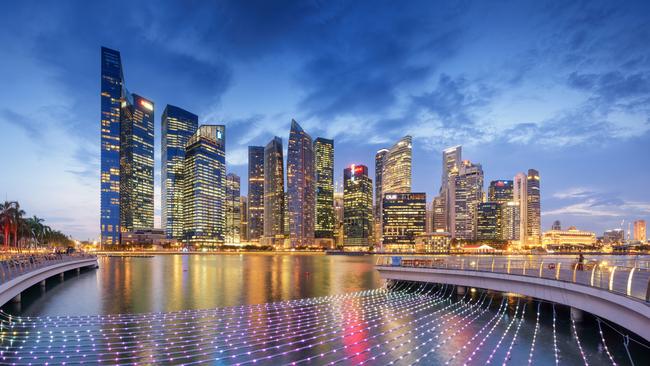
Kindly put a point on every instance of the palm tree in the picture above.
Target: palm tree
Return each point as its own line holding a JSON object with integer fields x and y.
{"x": 18, "y": 216}
{"x": 6, "y": 221}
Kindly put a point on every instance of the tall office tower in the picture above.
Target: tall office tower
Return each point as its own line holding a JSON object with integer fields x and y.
{"x": 178, "y": 125}
{"x": 112, "y": 83}
{"x": 534, "y": 219}
{"x": 488, "y": 221}
{"x": 357, "y": 207}
{"x": 404, "y": 216}
{"x": 428, "y": 227}
{"x": 396, "y": 172}
{"x": 255, "y": 193}
{"x": 204, "y": 187}
{"x": 339, "y": 232}
{"x": 380, "y": 158}
{"x": 510, "y": 216}
{"x": 468, "y": 193}
{"x": 451, "y": 162}
{"x": 301, "y": 187}
{"x": 243, "y": 219}
{"x": 500, "y": 191}
{"x": 324, "y": 150}
{"x": 273, "y": 193}
{"x": 640, "y": 231}
{"x": 439, "y": 219}
{"x": 520, "y": 195}
{"x": 233, "y": 209}
{"x": 285, "y": 211}
{"x": 136, "y": 163}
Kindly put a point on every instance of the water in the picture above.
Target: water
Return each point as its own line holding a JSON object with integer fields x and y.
{"x": 342, "y": 319}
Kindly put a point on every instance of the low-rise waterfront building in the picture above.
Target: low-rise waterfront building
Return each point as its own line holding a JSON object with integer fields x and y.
{"x": 572, "y": 236}
{"x": 435, "y": 243}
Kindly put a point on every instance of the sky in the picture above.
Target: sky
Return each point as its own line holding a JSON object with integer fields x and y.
{"x": 562, "y": 87}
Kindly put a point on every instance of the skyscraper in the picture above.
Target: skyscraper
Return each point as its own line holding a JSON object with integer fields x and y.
{"x": 380, "y": 158}
{"x": 243, "y": 222}
{"x": 451, "y": 162}
{"x": 500, "y": 191}
{"x": 467, "y": 194}
{"x": 404, "y": 216}
{"x": 396, "y": 172}
{"x": 534, "y": 222}
{"x": 339, "y": 231}
{"x": 439, "y": 219}
{"x": 136, "y": 163}
{"x": 301, "y": 187}
{"x": 112, "y": 83}
{"x": 178, "y": 125}
{"x": 255, "y": 193}
{"x": 324, "y": 150}
{"x": 357, "y": 207}
{"x": 510, "y": 217}
{"x": 273, "y": 193}
{"x": 233, "y": 209}
{"x": 488, "y": 226}
{"x": 640, "y": 232}
{"x": 204, "y": 187}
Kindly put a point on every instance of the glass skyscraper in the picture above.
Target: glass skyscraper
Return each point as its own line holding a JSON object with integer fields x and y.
{"x": 255, "y": 192}
{"x": 324, "y": 150}
{"x": 534, "y": 224}
{"x": 357, "y": 207}
{"x": 451, "y": 162}
{"x": 112, "y": 83}
{"x": 404, "y": 216}
{"x": 274, "y": 205}
{"x": 301, "y": 187}
{"x": 500, "y": 191}
{"x": 233, "y": 209}
{"x": 488, "y": 221}
{"x": 396, "y": 174}
{"x": 467, "y": 194}
{"x": 380, "y": 157}
{"x": 178, "y": 125}
{"x": 136, "y": 163}
{"x": 204, "y": 187}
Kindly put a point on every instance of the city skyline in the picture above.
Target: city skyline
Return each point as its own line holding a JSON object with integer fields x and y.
{"x": 495, "y": 110}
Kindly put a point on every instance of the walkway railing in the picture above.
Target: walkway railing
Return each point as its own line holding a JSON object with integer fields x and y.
{"x": 15, "y": 265}
{"x": 629, "y": 278}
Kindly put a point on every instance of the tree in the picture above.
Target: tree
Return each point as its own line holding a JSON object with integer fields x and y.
{"x": 6, "y": 221}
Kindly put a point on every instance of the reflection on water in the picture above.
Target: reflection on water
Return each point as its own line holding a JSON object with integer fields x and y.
{"x": 178, "y": 282}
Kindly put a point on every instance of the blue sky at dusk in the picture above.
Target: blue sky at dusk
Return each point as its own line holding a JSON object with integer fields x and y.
{"x": 562, "y": 87}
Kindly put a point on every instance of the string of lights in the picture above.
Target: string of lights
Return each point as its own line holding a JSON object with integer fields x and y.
{"x": 505, "y": 332}
{"x": 532, "y": 344}
{"x": 575, "y": 334}
{"x": 602, "y": 340}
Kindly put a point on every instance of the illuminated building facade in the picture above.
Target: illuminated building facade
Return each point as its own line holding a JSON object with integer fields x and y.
{"x": 274, "y": 206}
{"x": 438, "y": 216}
{"x": 403, "y": 219}
{"x": 357, "y": 207}
{"x": 204, "y": 187}
{"x": 380, "y": 158}
{"x": 324, "y": 150}
{"x": 233, "y": 209}
{"x": 136, "y": 163}
{"x": 510, "y": 216}
{"x": 301, "y": 187}
{"x": 500, "y": 191}
{"x": 451, "y": 162}
{"x": 640, "y": 231}
{"x": 569, "y": 237}
{"x": 467, "y": 194}
{"x": 243, "y": 221}
{"x": 178, "y": 125}
{"x": 339, "y": 232}
{"x": 520, "y": 195}
{"x": 433, "y": 243}
{"x": 112, "y": 83}
{"x": 396, "y": 172}
{"x": 255, "y": 193}
{"x": 534, "y": 214}
{"x": 488, "y": 222}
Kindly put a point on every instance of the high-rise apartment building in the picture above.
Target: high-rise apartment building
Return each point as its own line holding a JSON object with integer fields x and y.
{"x": 640, "y": 231}
{"x": 467, "y": 194}
{"x": 488, "y": 221}
{"x": 255, "y": 193}
{"x": 274, "y": 206}
{"x": 324, "y": 151}
{"x": 136, "y": 163}
{"x": 233, "y": 209}
{"x": 112, "y": 83}
{"x": 500, "y": 191}
{"x": 243, "y": 221}
{"x": 404, "y": 216}
{"x": 357, "y": 207}
{"x": 204, "y": 187}
{"x": 301, "y": 187}
{"x": 178, "y": 125}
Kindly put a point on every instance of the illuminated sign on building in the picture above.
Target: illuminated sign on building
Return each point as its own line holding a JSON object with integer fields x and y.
{"x": 146, "y": 104}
